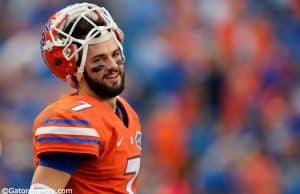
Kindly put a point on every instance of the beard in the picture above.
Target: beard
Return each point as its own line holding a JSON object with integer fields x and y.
{"x": 103, "y": 90}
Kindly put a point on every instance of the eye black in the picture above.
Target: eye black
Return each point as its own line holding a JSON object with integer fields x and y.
{"x": 98, "y": 68}
{"x": 120, "y": 62}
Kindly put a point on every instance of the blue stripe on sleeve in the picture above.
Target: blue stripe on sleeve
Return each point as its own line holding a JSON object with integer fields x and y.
{"x": 66, "y": 162}
{"x": 68, "y": 140}
{"x": 66, "y": 121}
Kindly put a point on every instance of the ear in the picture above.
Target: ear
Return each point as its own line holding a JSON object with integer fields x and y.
{"x": 73, "y": 80}
{"x": 78, "y": 76}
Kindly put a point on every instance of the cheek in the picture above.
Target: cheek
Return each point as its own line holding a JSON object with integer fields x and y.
{"x": 121, "y": 67}
{"x": 97, "y": 76}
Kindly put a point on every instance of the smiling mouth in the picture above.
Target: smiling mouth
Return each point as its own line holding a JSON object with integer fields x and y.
{"x": 113, "y": 75}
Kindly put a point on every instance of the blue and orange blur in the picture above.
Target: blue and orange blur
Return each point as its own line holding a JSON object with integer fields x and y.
{"x": 215, "y": 82}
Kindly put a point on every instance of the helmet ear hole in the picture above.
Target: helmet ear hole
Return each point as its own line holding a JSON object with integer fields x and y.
{"x": 58, "y": 62}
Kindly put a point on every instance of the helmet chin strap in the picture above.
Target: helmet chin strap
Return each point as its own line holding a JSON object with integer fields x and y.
{"x": 105, "y": 35}
{"x": 83, "y": 59}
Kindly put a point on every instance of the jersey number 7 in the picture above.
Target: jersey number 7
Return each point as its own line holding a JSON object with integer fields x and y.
{"x": 133, "y": 167}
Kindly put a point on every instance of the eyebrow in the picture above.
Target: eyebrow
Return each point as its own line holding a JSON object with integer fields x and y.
{"x": 103, "y": 55}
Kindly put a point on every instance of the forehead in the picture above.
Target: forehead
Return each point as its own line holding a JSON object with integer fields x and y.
{"x": 103, "y": 48}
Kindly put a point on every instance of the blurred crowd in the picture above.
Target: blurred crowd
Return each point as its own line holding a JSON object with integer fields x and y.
{"x": 215, "y": 82}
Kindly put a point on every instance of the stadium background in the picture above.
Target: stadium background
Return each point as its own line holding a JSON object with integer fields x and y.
{"x": 215, "y": 82}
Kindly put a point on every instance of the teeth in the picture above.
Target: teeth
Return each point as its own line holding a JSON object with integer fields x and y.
{"x": 113, "y": 75}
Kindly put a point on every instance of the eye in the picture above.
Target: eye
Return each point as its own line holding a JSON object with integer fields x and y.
{"x": 116, "y": 53}
{"x": 100, "y": 60}
{"x": 96, "y": 60}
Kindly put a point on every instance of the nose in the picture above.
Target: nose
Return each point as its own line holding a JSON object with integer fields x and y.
{"x": 111, "y": 63}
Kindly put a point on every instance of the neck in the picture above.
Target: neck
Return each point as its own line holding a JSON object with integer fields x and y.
{"x": 111, "y": 102}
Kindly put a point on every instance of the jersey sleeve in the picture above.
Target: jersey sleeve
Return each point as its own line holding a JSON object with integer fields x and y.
{"x": 62, "y": 130}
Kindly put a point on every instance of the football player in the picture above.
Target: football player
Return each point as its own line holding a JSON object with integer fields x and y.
{"x": 90, "y": 140}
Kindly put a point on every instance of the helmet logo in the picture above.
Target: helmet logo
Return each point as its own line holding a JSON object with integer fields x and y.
{"x": 43, "y": 38}
{"x": 48, "y": 26}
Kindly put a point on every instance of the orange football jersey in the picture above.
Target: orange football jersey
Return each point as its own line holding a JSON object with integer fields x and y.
{"x": 85, "y": 125}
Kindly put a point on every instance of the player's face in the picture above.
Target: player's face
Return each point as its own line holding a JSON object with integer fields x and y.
{"x": 104, "y": 71}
